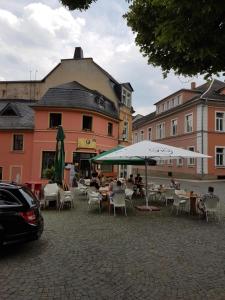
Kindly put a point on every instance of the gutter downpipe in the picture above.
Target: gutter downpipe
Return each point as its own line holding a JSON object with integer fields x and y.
{"x": 202, "y": 124}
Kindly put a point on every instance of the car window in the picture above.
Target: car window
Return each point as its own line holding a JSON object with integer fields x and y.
{"x": 6, "y": 198}
{"x": 28, "y": 195}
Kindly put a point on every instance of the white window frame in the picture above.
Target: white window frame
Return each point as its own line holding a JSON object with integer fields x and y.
{"x": 126, "y": 129}
{"x": 185, "y": 123}
{"x": 135, "y": 137}
{"x": 142, "y": 134}
{"x": 150, "y": 130}
{"x": 171, "y": 128}
{"x": 191, "y": 161}
{"x": 160, "y": 133}
{"x": 223, "y": 155}
{"x": 223, "y": 121}
{"x": 126, "y": 97}
{"x": 180, "y": 162}
{"x": 169, "y": 162}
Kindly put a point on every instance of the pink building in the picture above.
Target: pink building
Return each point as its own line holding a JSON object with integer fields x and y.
{"x": 192, "y": 119}
{"x": 94, "y": 109}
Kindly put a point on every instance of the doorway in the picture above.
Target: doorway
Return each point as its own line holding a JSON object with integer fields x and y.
{"x": 82, "y": 159}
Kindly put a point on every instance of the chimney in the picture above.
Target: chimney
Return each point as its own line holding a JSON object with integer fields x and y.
{"x": 193, "y": 85}
{"x": 78, "y": 53}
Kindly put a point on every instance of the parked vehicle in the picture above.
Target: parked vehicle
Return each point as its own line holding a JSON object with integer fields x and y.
{"x": 20, "y": 216}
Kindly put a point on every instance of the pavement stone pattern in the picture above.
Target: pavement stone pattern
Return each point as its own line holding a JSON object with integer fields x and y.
{"x": 148, "y": 255}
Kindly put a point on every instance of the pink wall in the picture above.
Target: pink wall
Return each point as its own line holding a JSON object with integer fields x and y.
{"x": 45, "y": 138}
{"x": 10, "y": 158}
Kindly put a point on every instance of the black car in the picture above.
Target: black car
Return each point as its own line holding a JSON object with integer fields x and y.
{"x": 20, "y": 216}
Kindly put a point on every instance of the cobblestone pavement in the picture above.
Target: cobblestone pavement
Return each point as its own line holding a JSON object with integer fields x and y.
{"x": 86, "y": 255}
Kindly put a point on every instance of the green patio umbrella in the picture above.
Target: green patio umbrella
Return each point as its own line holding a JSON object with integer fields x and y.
{"x": 59, "y": 163}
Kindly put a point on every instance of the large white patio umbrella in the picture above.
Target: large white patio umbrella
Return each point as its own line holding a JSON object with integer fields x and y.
{"x": 151, "y": 150}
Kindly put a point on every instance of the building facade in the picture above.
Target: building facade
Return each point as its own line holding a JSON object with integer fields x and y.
{"x": 94, "y": 109}
{"x": 192, "y": 119}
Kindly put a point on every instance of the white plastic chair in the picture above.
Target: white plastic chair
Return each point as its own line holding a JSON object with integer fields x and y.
{"x": 65, "y": 198}
{"x": 128, "y": 196}
{"x": 212, "y": 207}
{"x": 51, "y": 193}
{"x": 82, "y": 188}
{"x": 94, "y": 198}
{"x": 118, "y": 200}
{"x": 178, "y": 203}
{"x": 169, "y": 195}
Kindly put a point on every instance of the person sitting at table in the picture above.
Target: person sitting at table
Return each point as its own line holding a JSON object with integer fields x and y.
{"x": 94, "y": 186}
{"x": 201, "y": 203}
{"x": 136, "y": 179}
{"x": 130, "y": 182}
{"x": 95, "y": 179}
{"x": 174, "y": 184}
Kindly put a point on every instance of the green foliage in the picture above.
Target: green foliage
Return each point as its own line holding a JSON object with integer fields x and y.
{"x": 77, "y": 4}
{"x": 49, "y": 173}
{"x": 185, "y": 36}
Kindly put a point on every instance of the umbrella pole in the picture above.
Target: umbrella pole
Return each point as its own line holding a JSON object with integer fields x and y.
{"x": 146, "y": 183}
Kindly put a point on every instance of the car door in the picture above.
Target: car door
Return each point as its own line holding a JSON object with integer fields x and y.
{"x": 10, "y": 221}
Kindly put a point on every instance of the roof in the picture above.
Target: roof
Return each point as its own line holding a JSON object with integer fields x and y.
{"x": 209, "y": 91}
{"x": 74, "y": 95}
{"x": 141, "y": 121}
{"x": 23, "y": 118}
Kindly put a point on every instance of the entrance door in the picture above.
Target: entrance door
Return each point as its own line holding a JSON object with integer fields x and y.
{"x": 16, "y": 174}
{"x": 83, "y": 161}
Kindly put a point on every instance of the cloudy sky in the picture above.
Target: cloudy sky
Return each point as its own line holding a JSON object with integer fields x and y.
{"x": 35, "y": 35}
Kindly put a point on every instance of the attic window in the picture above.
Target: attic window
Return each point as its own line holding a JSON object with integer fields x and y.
{"x": 100, "y": 101}
{"x": 9, "y": 111}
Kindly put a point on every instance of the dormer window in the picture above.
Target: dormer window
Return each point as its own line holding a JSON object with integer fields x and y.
{"x": 9, "y": 111}
{"x": 126, "y": 97}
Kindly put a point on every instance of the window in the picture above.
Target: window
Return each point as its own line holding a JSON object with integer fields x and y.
{"x": 174, "y": 127}
{"x": 220, "y": 157}
{"x": 126, "y": 97}
{"x": 169, "y": 162}
{"x": 106, "y": 168}
{"x": 172, "y": 103}
{"x": 191, "y": 161}
{"x": 160, "y": 131}
{"x": 180, "y": 162}
{"x": 220, "y": 119}
{"x": 87, "y": 123}
{"x": 55, "y": 120}
{"x": 168, "y": 105}
{"x": 149, "y": 134}
{"x": 110, "y": 129}
{"x": 1, "y": 171}
{"x": 189, "y": 123}
{"x": 17, "y": 142}
{"x": 7, "y": 199}
{"x": 141, "y": 135}
{"x": 48, "y": 158}
{"x": 158, "y": 109}
{"x": 125, "y": 130}
{"x": 135, "y": 137}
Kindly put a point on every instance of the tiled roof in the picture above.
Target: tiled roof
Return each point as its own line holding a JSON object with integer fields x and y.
{"x": 24, "y": 118}
{"x": 143, "y": 120}
{"x": 205, "y": 92}
{"x": 75, "y": 95}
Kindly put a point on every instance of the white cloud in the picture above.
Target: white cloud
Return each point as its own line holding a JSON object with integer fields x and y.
{"x": 8, "y": 18}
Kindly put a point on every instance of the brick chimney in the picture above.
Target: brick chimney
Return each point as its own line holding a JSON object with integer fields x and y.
{"x": 193, "y": 85}
{"x": 78, "y": 53}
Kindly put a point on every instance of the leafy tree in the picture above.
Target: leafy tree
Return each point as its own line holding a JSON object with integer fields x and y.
{"x": 185, "y": 36}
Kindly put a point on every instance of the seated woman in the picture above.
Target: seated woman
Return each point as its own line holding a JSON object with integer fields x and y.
{"x": 130, "y": 182}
